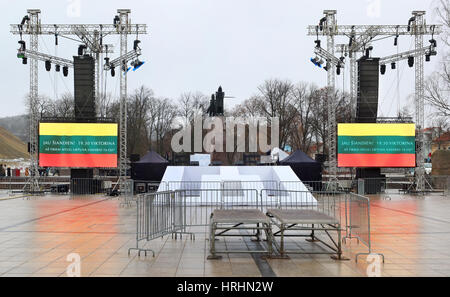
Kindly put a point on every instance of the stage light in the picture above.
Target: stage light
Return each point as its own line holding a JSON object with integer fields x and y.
{"x": 427, "y": 57}
{"x": 317, "y": 42}
{"x": 393, "y": 66}
{"x": 23, "y": 46}
{"x": 411, "y": 20}
{"x": 338, "y": 69}
{"x": 383, "y": 69}
{"x": 326, "y": 67}
{"x": 48, "y": 65}
{"x": 116, "y": 20}
{"x": 321, "y": 22}
{"x": 125, "y": 67}
{"x": 433, "y": 42}
{"x": 136, "y": 64}
{"x": 24, "y": 61}
{"x": 57, "y": 68}
{"x": 396, "y": 41}
{"x": 65, "y": 71}
{"x": 368, "y": 50}
{"x": 106, "y": 61}
{"x": 25, "y": 19}
{"x": 136, "y": 44}
{"x": 113, "y": 71}
{"x": 81, "y": 49}
{"x": 317, "y": 61}
{"x": 411, "y": 61}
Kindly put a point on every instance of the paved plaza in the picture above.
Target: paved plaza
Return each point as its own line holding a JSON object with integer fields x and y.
{"x": 38, "y": 234}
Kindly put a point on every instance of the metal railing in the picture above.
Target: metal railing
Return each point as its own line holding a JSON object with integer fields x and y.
{"x": 175, "y": 212}
{"x": 358, "y": 222}
{"x": 198, "y": 205}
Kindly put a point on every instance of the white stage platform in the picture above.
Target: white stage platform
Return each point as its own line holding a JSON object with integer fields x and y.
{"x": 260, "y": 178}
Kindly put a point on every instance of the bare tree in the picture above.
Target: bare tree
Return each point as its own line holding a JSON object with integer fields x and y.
{"x": 192, "y": 104}
{"x": 437, "y": 87}
{"x": 165, "y": 116}
{"x": 437, "y": 90}
{"x": 320, "y": 113}
{"x": 302, "y": 128}
{"x": 443, "y": 12}
{"x": 64, "y": 106}
{"x": 442, "y": 126}
{"x": 275, "y": 100}
{"x": 138, "y": 108}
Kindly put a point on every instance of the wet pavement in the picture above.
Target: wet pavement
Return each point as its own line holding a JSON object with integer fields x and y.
{"x": 37, "y": 235}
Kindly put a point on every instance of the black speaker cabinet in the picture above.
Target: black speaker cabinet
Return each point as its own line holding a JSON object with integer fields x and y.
{"x": 368, "y": 84}
{"x": 84, "y": 80}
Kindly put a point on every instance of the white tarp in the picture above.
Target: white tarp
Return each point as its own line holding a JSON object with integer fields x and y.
{"x": 259, "y": 178}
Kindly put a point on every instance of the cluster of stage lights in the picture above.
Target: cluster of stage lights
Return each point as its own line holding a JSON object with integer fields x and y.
{"x": 411, "y": 59}
{"x": 135, "y": 65}
{"x": 319, "y": 63}
{"x": 48, "y": 63}
{"x": 48, "y": 67}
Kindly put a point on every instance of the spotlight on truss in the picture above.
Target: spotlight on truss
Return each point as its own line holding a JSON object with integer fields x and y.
{"x": 316, "y": 61}
{"x": 136, "y": 64}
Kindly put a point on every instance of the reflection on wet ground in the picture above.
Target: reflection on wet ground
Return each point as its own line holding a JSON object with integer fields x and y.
{"x": 37, "y": 235}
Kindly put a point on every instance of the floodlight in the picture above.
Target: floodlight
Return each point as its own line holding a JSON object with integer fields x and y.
{"x": 411, "y": 61}
{"x": 136, "y": 64}
{"x": 48, "y": 65}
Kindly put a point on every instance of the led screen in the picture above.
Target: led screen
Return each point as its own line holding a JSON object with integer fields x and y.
{"x": 81, "y": 145}
{"x": 376, "y": 145}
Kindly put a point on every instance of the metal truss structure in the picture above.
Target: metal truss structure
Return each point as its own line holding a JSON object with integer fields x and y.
{"x": 44, "y": 58}
{"x": 361, "y": 36}
{"x": 92, "y": 36}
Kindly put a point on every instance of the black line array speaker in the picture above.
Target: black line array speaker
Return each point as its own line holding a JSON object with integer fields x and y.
{"x": 368, "y": 84}
{"x": 367, "y": 112}
{"x": 84, "y": 89}
{"x": 84, "y": 80}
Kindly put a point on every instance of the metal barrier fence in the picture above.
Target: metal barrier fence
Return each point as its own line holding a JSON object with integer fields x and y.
{"x": 155, "y": 218}
{"x": 358, "y": 222}
{"x": 174, "y": 212}
{"x": 197, "y": 205}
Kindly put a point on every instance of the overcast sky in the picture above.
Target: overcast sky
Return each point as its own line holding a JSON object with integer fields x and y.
{"x": 197, "y": 45}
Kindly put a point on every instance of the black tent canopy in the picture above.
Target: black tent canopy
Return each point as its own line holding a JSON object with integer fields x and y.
{"x": 150, "y": 167}
{"x": 304, "y": 167}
